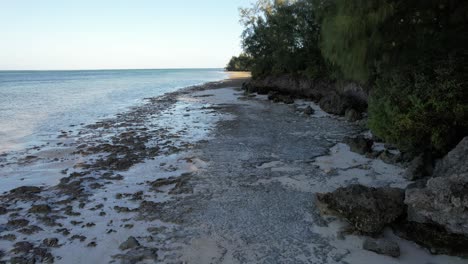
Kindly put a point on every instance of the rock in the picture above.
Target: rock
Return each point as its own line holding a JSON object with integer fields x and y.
{"x": 309, "y": 111}
{"x": 435, "y": 238}
{"x": 419, "y": 168}
{"x": 29, "y": 193}
{"x": 22, "y": 260}
{"x": 280, "y": 98}
{"x": 29, "y": 230}
{"x": 367, "y": 209}
{"x": 3, "y": 210}
{"x": 335, "y": 104}
{"x": 26, "y": 190}
{"x": 138, "y": 255}
{"x": 438, "y": 210}
{"x": 382, "y": 247}
{"x": 40, "y": 209}
{"x": 352, "y": 115}
{"x": 91, "y": 244}
{"x": 130, "y": 243}
{"x": 51, "y": 242}
{"x": 388, "y": 157}
{"x": 78, "y": 237}
{"x": 443, "y": 201}
{"x": 16, "y": 223}
{"x": 22, "y": 247}
{"x": 8, "y": 237}
{"x": 456, "y": 161}
{"x": 42, "y": 255}
{"x": 359, "y": 144}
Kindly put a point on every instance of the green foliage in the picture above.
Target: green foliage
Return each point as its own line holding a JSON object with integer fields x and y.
{"x": 350, "y": 35}
{"x": 420, "y": 98}
{"x": 413, "y": 55}
{"x": 420, "y": 111}
{"x": 282, "y": 37}
{"x": 241, "y": 63}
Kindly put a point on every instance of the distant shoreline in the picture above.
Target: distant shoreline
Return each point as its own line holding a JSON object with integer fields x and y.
{"x": 143, "y": 69}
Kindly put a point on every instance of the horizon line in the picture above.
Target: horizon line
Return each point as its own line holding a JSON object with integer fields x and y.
{"x": 117, "y": 69}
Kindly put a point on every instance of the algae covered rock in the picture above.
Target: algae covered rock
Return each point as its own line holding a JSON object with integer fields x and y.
{"x": 367, "y": 209}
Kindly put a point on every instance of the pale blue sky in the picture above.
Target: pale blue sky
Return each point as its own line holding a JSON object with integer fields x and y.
{"x": 118, "y": 34}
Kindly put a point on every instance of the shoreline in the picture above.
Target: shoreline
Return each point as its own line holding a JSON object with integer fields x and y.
{"x": 202, "y": 174}
{"x": 60, "y": 149}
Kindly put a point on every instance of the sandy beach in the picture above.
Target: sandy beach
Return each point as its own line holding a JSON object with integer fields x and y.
{"x": 206, "y": 174}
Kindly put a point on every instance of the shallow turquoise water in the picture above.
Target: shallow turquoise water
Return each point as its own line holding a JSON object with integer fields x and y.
{"x": 36, "y": 104}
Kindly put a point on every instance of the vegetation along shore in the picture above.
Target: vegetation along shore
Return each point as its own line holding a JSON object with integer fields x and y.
{"x": 401, "y": 68}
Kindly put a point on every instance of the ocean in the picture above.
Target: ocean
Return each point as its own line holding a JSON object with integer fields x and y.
{"x": 36, "y": 105}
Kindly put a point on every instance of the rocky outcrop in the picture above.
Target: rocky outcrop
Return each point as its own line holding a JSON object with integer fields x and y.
{"x": 368, "y": 209}
{"x": 456, "y": 161}
{"x": 439, "y": 208}
{"x": 334, "y": 98}
{"x": 444, "y": 199}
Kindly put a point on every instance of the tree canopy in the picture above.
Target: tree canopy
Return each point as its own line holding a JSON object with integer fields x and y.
{"x": 413, "y": 55}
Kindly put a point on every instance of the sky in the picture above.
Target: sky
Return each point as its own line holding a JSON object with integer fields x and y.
{"x": 118, "y": 34}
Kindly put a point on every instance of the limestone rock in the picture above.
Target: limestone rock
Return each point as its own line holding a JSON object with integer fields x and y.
{"x": 456, "y": 161}
{"x": 382, "y": 247}
{"x": 131, "y": 242}
{"x": 444, "y": 201}
{"x": 420, "y": 167}
{"x": 40, "y": 209}
{"x": 367, "y": 209}
{"x": 138, "y": 255}
{"x": 360, "y": 144}
{"x": 51, "y": 242}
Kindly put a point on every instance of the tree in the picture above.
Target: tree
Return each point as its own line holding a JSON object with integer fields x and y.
{"x": 241, "y": 63}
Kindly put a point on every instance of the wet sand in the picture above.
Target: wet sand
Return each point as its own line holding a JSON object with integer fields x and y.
{"x": 203, "y": 175}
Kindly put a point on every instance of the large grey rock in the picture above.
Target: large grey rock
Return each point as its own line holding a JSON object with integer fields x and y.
{"x": 131, "y": 242}
{"x": 138, "y": 255}
{"x": 456, "y": 161}
{"x": 367, "y": 209}
{"x": 438, "y": 210}
{"x": 382, "y": 247}
{"x": 444, "y": 201}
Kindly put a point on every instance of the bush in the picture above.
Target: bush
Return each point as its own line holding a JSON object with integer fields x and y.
{"x": 421, "y": 110}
